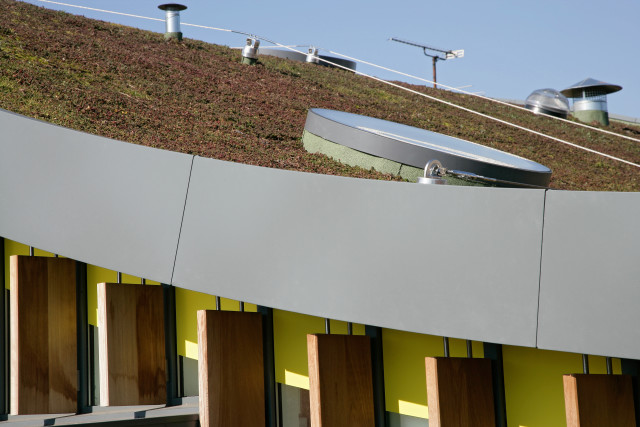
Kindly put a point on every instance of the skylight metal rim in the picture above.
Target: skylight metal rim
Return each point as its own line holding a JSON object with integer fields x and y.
{"x": 550, "y": 111}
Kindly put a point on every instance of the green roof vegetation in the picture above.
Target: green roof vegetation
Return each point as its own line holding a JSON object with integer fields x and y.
{"x": 197, "y": 98}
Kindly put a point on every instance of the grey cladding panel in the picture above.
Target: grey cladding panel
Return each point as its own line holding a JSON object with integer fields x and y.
{"x": 100, "y": 201}
{"x": 455, "y": 261}
{"x": 590, "y": 281}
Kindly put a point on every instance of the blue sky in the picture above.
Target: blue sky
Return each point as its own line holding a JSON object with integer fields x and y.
{"x": 511, "y": 47}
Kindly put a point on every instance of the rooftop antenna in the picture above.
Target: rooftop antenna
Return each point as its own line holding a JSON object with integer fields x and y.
{"x": 448, "y": 54}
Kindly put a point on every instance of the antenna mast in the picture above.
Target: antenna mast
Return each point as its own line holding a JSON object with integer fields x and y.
{"x": 448, "y": 54}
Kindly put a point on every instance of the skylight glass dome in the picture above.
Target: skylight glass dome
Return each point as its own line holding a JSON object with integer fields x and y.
{"x": 548, "y": 101}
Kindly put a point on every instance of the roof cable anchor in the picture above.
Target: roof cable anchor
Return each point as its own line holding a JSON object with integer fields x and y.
{"x": 433, "y": 173}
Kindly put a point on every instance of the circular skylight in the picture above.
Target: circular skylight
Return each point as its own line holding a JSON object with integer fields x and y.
{"x": 415, "y": 147}
{"x": 548, "y": 101}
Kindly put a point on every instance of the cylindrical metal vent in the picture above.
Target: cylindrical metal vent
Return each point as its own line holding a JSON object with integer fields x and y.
{"x": 590, "y": 100}
{"x": 172, "y": 23}
{"x": 599, "y": 104}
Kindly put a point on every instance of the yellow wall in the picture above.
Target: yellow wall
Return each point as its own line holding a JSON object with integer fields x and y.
{"x": 14, "y": 248}
{"x": 187, "y": 305}
{"x": 404, "y": 368}
{"x": 187, "y": 302}
{"x": 533, "y": 384}
{"x": 290, "y": 342}
{"x": 97, "y": 275}
{"x": 533, "y": 378}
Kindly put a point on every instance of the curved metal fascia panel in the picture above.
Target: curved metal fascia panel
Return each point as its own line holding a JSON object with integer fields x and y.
{"x": 589, "y": 291}
{"x": 457, "y": 261}
{"x": 444, "y": 260}
{"x": 97, "y": 200}
{"x": 447, "y": 261}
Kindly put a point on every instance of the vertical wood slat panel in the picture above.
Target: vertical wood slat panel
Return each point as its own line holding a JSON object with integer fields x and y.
{"x": 459, "y": 392}
{"x": 340, "y": 380}
{"x": 599, "y": 400}
{"x": 132, "y": 352}
{"x": 43, "y": 335}
{"x": 231, "y": 368}
{"x": 63, "y": 367}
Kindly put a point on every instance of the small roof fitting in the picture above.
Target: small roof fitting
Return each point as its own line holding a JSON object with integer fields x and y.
{"x": 548, "y": 101}
{"x": 172, "y": 7}
{"x": 593, "y": 85}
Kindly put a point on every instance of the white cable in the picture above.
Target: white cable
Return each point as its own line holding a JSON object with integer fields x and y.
{"x": 454, "y": 105}
{"x": 205, "y": 27}
{"x": 476, "y": 94}
{"x": 489, "y": 117}
{"x": 393, "y": 84}
{"x": 101, "y": 10}
{"x": 481, "y": 96}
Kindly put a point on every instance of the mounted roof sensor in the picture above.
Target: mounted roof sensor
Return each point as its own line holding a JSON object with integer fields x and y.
{"x": 250, "y": 51}
{"x": 172, "y": 25}
{"x": 548, "y": 101}
{"x": 312, "y": 55}
{"x": 304, "y": 57}
{"x": 405, "y": 151}
{"x": 590, "y": 100}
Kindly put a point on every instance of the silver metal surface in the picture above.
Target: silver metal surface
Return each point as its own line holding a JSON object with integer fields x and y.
{"x": 488, "y": 180}
{"x": 539, "y": 110}
{"x": 431, "y": 175}
{"x": 251, "y": 48}
{"x": 415, "y": 147}
{"x": 589, "y": 289}
{"x": 173, "y": 22}
{"x": 590, "y": 105}
{"x": 312, "y": 55}
{"x": 431, "y": 180}
{"x": 324, "y": 245}
{"x": 172, "y": 15}
{"x": 97, "y": 200}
